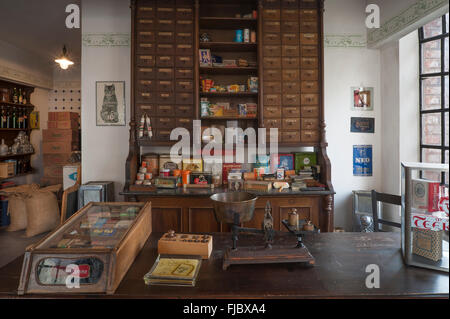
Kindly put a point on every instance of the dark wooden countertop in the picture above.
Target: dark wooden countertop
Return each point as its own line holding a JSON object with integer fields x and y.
{"x": 204, "y": 192}
{"x": 339, "y": 272}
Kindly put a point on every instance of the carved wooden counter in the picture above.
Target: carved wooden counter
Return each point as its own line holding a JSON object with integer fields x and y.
{"x": 191, "y": 210}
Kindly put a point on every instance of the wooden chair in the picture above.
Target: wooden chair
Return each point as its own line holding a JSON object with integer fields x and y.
{"x": 384, "y": 198}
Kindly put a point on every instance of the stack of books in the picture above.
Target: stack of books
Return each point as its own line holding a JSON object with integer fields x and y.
{"x": 174, "y": 270}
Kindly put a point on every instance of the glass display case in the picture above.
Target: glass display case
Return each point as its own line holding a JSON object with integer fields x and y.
{"x": 90, "y": 253}
{"x": 425, "y": 215}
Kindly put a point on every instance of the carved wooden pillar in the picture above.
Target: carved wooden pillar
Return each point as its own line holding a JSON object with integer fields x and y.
{"x": 328, "y": 213}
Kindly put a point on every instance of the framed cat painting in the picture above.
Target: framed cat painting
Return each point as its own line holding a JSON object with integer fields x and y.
{"x": 110, "y": 108}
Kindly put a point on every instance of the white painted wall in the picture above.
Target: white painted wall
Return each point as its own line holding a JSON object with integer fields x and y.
{"x": 104, "y": 149}
{"x": 344, "y": 68}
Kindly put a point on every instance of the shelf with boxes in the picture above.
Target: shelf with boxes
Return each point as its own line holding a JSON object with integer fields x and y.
{"x": 15, "y": 129}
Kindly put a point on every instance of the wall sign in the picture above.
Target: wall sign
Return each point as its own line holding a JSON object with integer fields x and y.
{"x": 362, "y": 160}
{"x": 362, "y": 125}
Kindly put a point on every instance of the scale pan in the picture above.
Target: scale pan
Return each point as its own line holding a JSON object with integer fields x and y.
{"x": 229, "y": 203}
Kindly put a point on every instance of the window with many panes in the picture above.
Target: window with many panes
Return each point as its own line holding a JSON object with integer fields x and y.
{"x": 434, "y": 88}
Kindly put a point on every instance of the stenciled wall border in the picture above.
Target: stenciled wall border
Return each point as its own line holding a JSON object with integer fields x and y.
{"x": 106, "y": 39}
{"x": 409, "y": 16}
{"x": 345, "y": 41}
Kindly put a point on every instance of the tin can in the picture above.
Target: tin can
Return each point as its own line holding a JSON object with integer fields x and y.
{"x": 253, "y": 37}
{"x": 152, "y": 162}
{"x": 144, "y": 164}
{"x": 246, "y": 35}
{"x": 143, "y": 170}
{"x": 140, "y": 176}
{"x": 148, "y": 176}
{"x": 138, "y": 182}
{"x": 185, "y": 176}
{"x": 238, "y": 36}
{"x": 165, "y": 172}
{"x": 280, "y": 173}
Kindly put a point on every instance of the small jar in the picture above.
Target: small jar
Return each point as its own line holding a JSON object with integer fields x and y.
{"x": 148, "y": 176}
{"x": 140, "y": 176}
{"x": 293, "y": 218}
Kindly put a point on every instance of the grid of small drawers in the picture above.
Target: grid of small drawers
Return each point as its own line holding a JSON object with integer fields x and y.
{"x": 164, "y": 60}
{"x": 291, "y": 76}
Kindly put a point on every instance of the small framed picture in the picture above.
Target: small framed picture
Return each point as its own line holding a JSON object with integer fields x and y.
{"x": 362, "y": 160}
{"x": 205, "y": 57}
{"x": 362, "y": 99}
{"x": 110, "y": 103}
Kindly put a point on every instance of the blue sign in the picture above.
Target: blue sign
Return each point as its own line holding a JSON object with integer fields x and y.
{"x": 362, "y": 160}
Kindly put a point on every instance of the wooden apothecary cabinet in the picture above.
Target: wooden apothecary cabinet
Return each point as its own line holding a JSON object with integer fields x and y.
{"x": 102, "y": 239}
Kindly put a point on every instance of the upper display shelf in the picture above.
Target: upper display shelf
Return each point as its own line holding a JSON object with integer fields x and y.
{"x": 226, "y": 23}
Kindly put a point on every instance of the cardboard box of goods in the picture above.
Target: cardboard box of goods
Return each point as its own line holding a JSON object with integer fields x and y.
{"x": 53, "y": 171}
{"x": 426, "y": 194}
{"x": 46, "y": 181}
{"x": 59, "y": 147}
{"x": 70, "y": 174}
{"x": 68, "y": 124}
{"x": 428, "y": 243}
{"x": 57, "y": 158}
{"x": 60, "y": 135}
{"x": 63, "y": 116}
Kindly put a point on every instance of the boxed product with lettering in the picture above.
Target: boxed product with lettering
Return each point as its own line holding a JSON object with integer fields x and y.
{"x": 427, "y": 243}
{"x": 426, "y": 194}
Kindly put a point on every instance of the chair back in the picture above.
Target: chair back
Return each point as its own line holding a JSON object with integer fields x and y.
{"x": 384, "y": 198}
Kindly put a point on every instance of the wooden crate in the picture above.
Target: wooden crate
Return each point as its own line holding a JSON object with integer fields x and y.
{"x": 102, "y": 267}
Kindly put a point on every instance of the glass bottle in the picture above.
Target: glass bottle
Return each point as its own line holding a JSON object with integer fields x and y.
{"x": 20, "y": 96}
{"x": 2, "y": 117}
{"x": 24, "y": 98}
{"x": 14, "y": 118}
{"x": 20, "y": 118}
{"x": 25, "y": 119}
{"x": 8, "y": 118}
{"x": 15, "y": 96}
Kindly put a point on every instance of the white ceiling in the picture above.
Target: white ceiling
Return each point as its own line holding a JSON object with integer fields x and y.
{"x": 39, "y": 27}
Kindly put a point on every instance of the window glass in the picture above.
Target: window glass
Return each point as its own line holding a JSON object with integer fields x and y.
{"x": 431, "y": 129}
{"x": 431, "y": 93}
{"x": 433, "y": 28}
{"x": 431, "y": 57}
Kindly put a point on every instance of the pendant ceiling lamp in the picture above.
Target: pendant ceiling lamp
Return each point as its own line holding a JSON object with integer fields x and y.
{"x": 63, "y": 61}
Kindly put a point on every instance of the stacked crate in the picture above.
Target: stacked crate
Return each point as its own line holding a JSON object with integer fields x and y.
{"x": 58, "y": 142}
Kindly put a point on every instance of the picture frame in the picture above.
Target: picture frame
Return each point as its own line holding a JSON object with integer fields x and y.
{"x": 362, "y": 98}
{"x": 205, "y": 57}
{"x": 362, "y": 125}
{"x": 110, "y": 103}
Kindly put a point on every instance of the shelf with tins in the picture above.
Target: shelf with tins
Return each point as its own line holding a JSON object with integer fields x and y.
{"x": 18, "y": 175}
{"x": 227, "y": 22}
{"x": 228, "y": 70}
{"x": 3, "y": 157}
{"x": 229, "y": 94}
{"x": 229, "y": 118}
{"x": 229, "y": 46}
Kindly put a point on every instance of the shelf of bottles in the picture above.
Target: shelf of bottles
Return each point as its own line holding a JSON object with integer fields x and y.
{"x": 14, "y": 110}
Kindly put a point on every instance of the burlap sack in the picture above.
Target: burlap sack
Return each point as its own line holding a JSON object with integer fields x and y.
{"x": 17, "y": 211}
{"x": 42, "y": 212}
{"x": 21, "y": 189}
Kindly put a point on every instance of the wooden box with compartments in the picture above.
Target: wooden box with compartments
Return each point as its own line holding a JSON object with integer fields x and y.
{"x": 185, "y": 244}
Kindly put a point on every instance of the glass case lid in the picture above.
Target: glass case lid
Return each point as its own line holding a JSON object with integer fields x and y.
{"x": 100, "y": 225}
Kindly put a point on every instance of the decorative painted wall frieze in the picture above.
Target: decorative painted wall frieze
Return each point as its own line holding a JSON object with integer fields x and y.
{"x": 106, "y": 39}
{"x": 345, "y": 41}
{"x": 411, "y": 15}
{"x": 26, "y": 78}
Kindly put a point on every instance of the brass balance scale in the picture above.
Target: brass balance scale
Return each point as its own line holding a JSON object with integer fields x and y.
{"x": 235, "y": 208}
